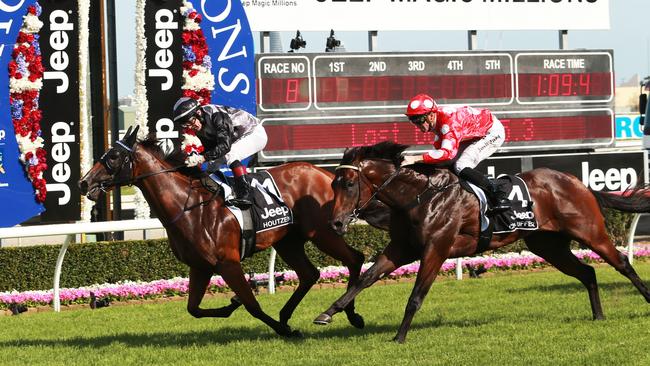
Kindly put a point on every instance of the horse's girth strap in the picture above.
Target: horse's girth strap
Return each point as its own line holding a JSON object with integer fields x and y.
{"x": 347, "y": 167}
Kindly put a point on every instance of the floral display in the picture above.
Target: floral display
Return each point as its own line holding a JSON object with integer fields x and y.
{"x": 129, "y": 290}
{"x": 25, "y": 83}
{"x": 198, "y": 80}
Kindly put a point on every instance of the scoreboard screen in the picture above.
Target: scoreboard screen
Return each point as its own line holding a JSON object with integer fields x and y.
{"x": 313, "y": 106}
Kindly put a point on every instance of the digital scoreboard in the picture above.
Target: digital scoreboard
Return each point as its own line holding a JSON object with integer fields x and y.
{"x": 313, "y": 106}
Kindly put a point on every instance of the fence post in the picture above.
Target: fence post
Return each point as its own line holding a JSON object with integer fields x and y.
{"x": 56, "y": 301}
{"x": 272, "y": 271}
{"x": 630, "y": 238}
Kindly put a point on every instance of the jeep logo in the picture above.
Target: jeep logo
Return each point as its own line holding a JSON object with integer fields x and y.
{"x": 612, "y": 179}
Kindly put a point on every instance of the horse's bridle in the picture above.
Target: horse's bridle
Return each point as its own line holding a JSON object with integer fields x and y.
{"x": 421, "y": 197}
{"x": 105, "y": 185}
{"x": 359, "y": 207}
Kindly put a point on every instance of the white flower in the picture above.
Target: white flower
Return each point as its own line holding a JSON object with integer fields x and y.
{"x": 23, "y": 84}
{"x": 31, "y": 24}
{"x": 202, "y": 80}
{"x": 191, "y": 25}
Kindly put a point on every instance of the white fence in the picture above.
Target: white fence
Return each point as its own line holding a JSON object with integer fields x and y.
{"x": 128, "y": 225}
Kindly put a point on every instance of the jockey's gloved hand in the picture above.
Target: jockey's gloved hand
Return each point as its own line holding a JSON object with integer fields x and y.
{"x": 195, "y": 160}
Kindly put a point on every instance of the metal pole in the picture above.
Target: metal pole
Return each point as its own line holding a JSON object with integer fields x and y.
{"x": 372, "y": 41}
{"x": 112, "y": 75}
{"x": 272, "y": 271}
{"x": 472, "y": 40}
{"x": 563, "y": 38}
{"x": 265, "y": 42}
{"x": 98, "y": 105}
{"x": 630, "y": 238}
{"x": 56, "y": 301}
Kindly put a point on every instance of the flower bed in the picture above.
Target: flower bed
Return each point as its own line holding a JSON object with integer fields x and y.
{"x": 129, "y": 290}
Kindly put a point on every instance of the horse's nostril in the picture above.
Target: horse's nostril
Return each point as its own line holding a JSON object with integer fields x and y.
{"x": 338, "y": 224}
{"x": 83, "y": 186}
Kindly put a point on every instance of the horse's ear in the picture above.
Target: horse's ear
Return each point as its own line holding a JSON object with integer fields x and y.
{"x": 131, "y": 136}
{"x": 127, "y": 134}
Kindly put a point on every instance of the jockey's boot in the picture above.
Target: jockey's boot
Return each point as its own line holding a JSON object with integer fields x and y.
{"x": 242, "y": 186}
{"x": 496, "y": 197}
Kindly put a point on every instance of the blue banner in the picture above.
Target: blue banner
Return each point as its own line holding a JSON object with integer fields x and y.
{"x": 232, "y": 52}
{"x": 16, "y": 191}
{"x": 231, "y": 49}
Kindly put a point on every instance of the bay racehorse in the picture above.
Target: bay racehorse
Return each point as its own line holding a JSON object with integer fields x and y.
{"x": 446, "y": 225}
{"x": 205, "y": 235}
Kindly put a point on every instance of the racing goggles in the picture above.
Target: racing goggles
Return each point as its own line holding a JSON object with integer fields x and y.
{"x": 418, "y": 119}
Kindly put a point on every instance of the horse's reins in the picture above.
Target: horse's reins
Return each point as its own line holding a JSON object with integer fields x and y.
{"x": 419, "y": 198}
{"x": 132, "y": 180}
{"x": 357, "y": 211}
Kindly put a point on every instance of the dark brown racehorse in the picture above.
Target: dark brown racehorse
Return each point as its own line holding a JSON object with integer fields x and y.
{"x": 204, "y": 234}
{"x": 446, "y": 224}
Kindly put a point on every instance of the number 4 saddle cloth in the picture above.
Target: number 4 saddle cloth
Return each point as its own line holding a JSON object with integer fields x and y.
{"x": 519, "y": 217}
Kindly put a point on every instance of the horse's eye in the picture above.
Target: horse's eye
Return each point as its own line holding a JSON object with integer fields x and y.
{"x": 349, "y": 184}
{"x": 114, "y": 155}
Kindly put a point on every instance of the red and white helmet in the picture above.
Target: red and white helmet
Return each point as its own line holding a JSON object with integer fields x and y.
{"x": 421, "y": 104}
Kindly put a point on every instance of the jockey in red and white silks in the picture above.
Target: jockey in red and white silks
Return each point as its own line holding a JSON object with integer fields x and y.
{"x": 457, "y": 124}
{"x": 452, "y": 125}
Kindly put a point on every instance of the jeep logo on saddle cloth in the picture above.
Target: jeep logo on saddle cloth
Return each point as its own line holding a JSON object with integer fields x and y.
{"x": 59, "y": 103}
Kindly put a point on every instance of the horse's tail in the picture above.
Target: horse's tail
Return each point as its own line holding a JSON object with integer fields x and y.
{"x": 634, "y": 200}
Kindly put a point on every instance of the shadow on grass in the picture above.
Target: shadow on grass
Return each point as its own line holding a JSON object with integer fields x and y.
{"x": 227, "y": 335}
{"x": 575, "y": 287}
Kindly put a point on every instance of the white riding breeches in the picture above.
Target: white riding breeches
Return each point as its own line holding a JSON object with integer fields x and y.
{"x": 483, "y": 148}
{"x": 252, "y": 142}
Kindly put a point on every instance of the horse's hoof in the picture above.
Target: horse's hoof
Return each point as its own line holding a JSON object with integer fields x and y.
{"x": 357, "y": 321}
{"x": 295, "y": 334}
{"x": 323, "y": 319}
{"x": 398, "y": 339}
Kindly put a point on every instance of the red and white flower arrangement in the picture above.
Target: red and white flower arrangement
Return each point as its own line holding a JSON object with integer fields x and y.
{"x": 25, "y": 83}
{"x": 198, "y": 80}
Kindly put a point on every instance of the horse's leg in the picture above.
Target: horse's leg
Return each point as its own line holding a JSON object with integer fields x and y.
{"x": 393, "y": 256}
{"x": 233, "y": 275}
{"x": 555, "y": 249}
{"x": 292, "y": 250}
{"x": 602, "y": 245}
{"x": 430, "y": 265}
{"x": 199, "y": 281}
{"x": 335, "y": 246}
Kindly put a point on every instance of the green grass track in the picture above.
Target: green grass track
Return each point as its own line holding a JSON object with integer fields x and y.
{"x": 505, "y": 318}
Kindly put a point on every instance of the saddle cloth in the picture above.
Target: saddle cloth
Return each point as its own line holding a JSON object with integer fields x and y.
{"x": 268, "y": 210}
{"x": 519, "y": 217}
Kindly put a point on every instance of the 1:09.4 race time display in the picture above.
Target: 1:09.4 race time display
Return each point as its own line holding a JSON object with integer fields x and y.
{"x": 315, "y": 105}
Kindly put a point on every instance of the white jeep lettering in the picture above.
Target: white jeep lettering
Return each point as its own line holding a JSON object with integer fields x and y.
{"x": 59, "y": 60}
{"x": 61, "y": 138}
{"x": 164, "y": 39}
{"x": 613, "y": 179}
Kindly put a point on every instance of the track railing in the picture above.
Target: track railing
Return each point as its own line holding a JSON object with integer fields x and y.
{"x": 71, "y": 230}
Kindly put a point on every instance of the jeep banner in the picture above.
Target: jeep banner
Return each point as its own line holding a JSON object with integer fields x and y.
{"x": 232, "y": 53}
{"x": 59, "y": 102}
{"x": 600, "y": 171}
{"x": 164, "y": 57}
{"x": 190, "y": 44}
{"x": 16, "y": 191}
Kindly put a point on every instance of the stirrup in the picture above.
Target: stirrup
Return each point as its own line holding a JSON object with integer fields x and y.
{"x": 499, "y": 207}
{"x": 240, "y": 202}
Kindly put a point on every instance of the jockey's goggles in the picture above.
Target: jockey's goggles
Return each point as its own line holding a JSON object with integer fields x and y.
{"x": 418, "y": 119}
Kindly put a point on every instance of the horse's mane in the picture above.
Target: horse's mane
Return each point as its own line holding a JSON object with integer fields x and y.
{"x": 386, "y": 150}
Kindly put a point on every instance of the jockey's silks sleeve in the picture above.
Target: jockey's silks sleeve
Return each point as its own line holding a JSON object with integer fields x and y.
{"x": 454, "y": 125}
